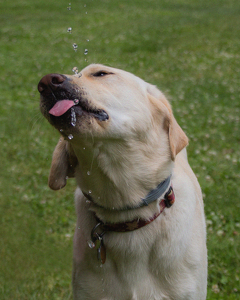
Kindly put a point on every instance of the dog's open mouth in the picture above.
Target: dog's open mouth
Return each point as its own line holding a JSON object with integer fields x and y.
{"x": 64, "y": 103}
{"x": 61, "y": 107}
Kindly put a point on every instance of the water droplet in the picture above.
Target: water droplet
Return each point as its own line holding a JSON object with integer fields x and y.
{"x": 61, "y": 130}
{"x": 86, "y": 12}
{"x": 73, "y": 118}
{"x": 70, "y": 137}
{"x": 69, "y": 29}
{"x": 87, "y": 40}
{"x": 88, "y": 173}
{"x": 89, "y": 192}
{"x": 75, "y": 69}
{"x": 91, "y": 244}
{"x": 76, "y": 101}
{"x": 86, "y": 52}
{"x": 84, "y": 148}
{"x": 75, "y": 46}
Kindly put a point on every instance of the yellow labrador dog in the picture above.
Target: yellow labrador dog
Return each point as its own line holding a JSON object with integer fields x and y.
{"x": 140, "y": 230}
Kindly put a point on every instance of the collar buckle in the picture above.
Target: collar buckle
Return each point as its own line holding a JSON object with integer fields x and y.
{"x": 169, "y": 197}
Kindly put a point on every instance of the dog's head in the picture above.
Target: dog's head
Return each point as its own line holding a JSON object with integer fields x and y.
{"x": 105, "y": 103}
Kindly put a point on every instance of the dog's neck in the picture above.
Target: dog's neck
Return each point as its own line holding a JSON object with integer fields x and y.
{"x": 152, "y": 196}
{"x": 113, "y": 179}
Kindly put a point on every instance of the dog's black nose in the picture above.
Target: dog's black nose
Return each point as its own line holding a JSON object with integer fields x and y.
{"x": 50, "y": 82}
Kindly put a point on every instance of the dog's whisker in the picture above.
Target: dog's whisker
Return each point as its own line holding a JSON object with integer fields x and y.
{"x": 35, "y": 119}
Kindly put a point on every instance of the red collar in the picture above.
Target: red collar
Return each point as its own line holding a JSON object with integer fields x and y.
{"x": 101, "y": 228}
{"x": 168, "y": 201}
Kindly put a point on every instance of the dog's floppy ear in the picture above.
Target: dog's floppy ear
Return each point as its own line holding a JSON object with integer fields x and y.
{"x": 177, "y": 138}
{"x": 63, "y": 165}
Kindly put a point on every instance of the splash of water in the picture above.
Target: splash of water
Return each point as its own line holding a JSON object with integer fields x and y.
{"x": 73, "y": 118}
{"x": 75, "y": 70}
{"x": 91, "y": 244}
{"x": 75, "y": 46}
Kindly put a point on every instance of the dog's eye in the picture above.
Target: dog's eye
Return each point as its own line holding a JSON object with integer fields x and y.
{"x": 101, "y": 73}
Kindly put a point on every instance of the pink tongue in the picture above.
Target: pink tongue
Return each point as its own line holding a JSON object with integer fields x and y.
{"x": 61, "y": 107}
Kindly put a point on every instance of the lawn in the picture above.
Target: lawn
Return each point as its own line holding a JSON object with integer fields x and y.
{"x": 188, "y": 48}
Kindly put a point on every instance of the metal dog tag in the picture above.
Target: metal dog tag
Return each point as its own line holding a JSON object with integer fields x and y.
{"x": 101, "y": 252}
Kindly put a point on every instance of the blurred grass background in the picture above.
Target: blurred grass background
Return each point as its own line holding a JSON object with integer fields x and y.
{"x": 188, "y": 48}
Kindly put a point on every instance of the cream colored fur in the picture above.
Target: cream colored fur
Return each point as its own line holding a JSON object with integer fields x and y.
{"x": 118, "y": 162}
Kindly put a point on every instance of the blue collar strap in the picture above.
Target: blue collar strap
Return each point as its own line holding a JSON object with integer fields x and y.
{"x": 157, "y": 192}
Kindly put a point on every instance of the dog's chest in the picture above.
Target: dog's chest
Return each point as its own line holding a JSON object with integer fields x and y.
{"x": 132, "y": 271}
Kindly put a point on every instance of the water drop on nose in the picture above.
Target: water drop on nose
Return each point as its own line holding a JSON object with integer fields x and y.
{"x": 69, "y": 29}
{"x": 70, "y": 137}
{"x": 75, "y": 69}
{"x": 75, "y": 46}
{"x": 86, "y": 52}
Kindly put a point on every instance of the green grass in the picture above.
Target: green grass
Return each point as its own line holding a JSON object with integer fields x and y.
{"x": 188, "y": 48}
